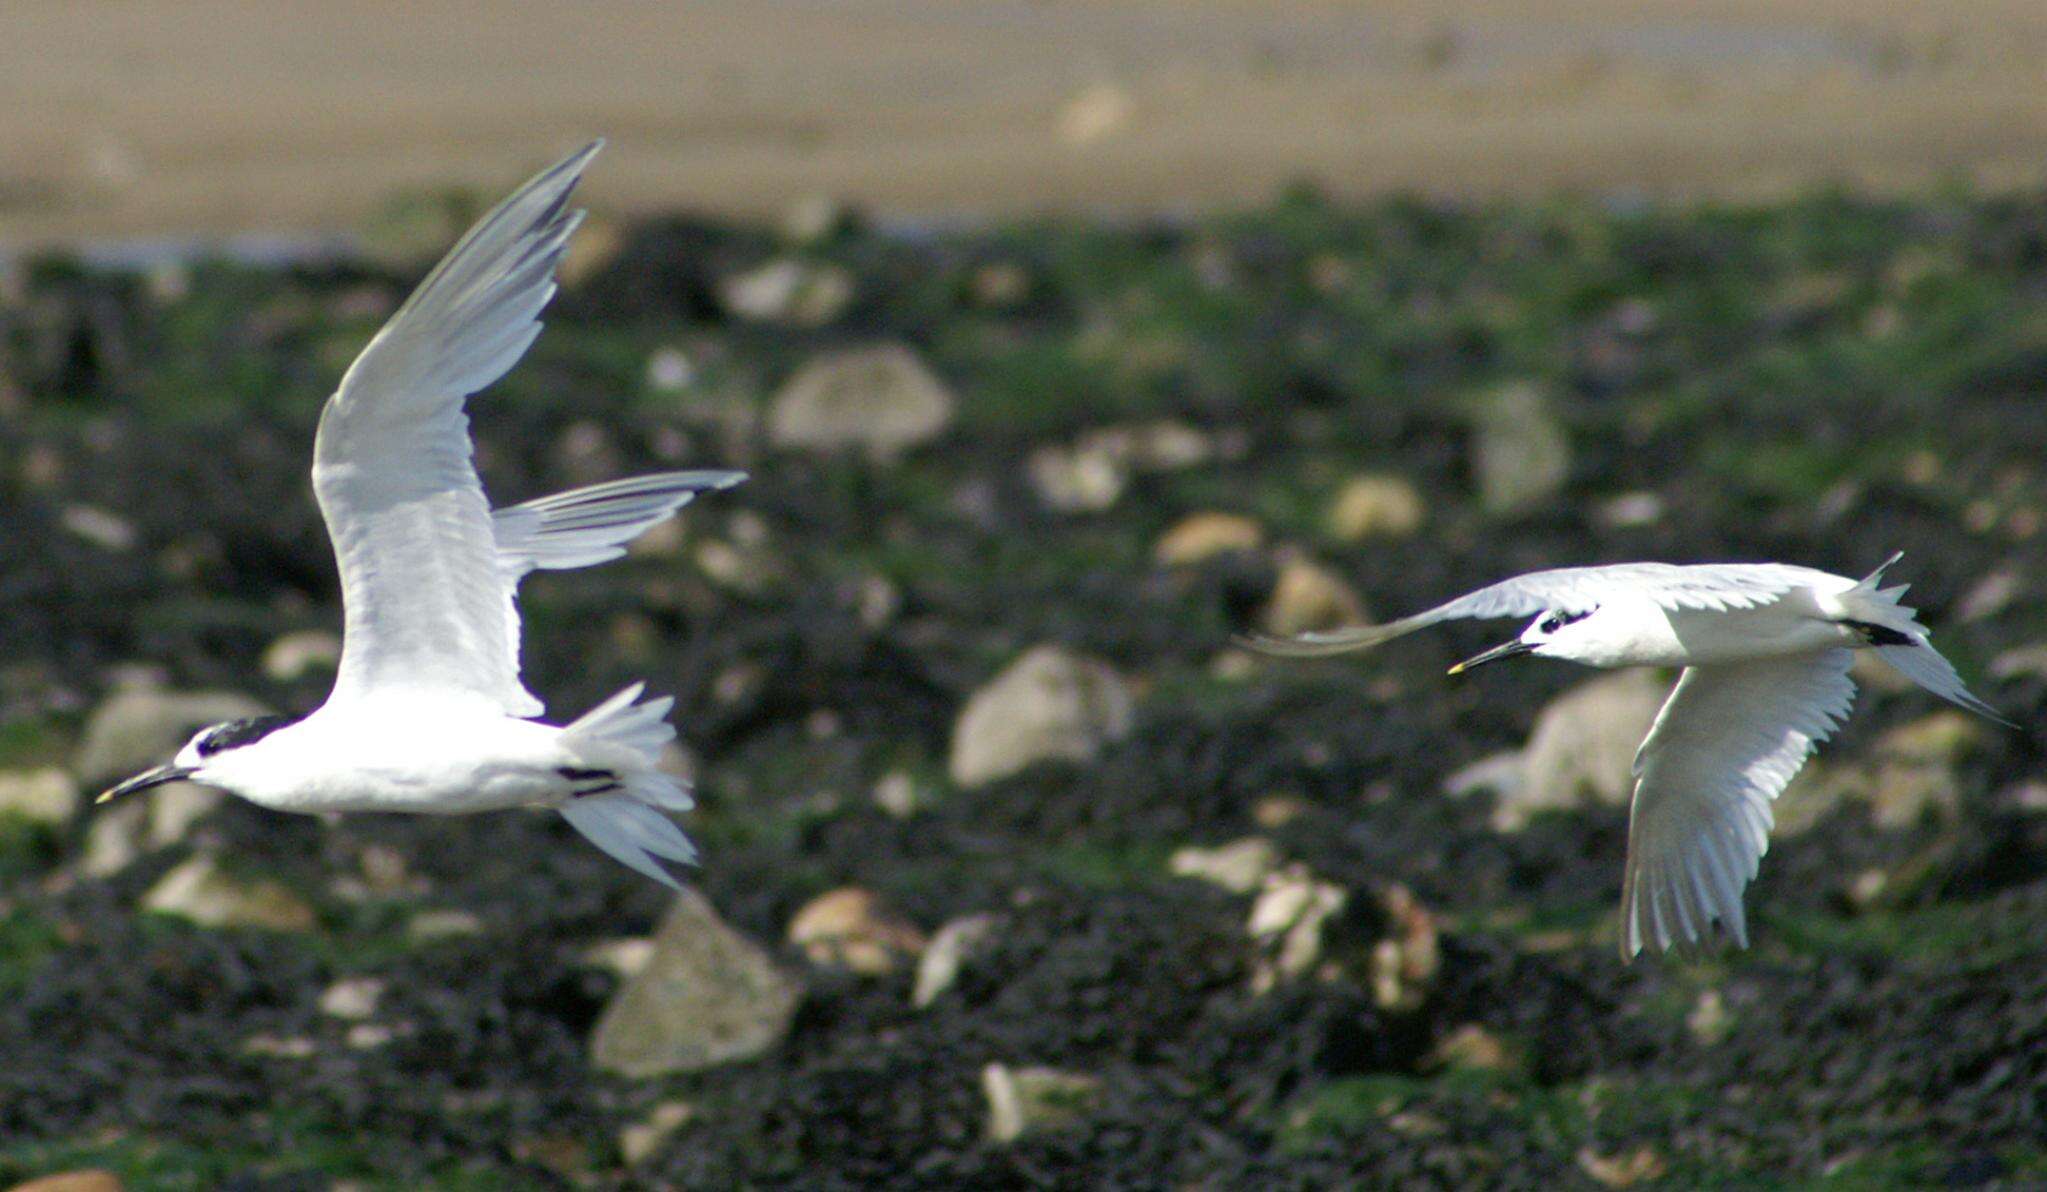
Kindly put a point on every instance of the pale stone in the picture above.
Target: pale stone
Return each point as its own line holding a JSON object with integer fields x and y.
{"x": 1521, "y": 452}
{"x": 1048, "y": 704}
{"x": 1473, "y": 1048}
{"x": 1582, "y": 749}
{"x": 1203, "y": 536}
{"x": 298, "y": 654}
{"x": 643, "y": 1139}
{"x": 1375, "y": 506}
{"x": 1079, "y": 480}
{"x": 1309, "y": 597}
{"x": 1406, "y": 962}
{"x": 1240, "y": 866}
{"x": 796, "y": 292}
{"x": 1024, "y": 1100}
{"x": 45, "y": 796}
{"x": 352, "y": 998}
{"x": 200, "y": 891}
{"x": 951, "y": 951}
{"x": 1287, "y": 920}
{"x": 880, "y": 400}
{"x": 850, "y": 928}
{"x": 624, "y": 957}
{"x": 707, "y": 996}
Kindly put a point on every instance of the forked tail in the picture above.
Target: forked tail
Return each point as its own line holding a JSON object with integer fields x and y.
{"x": 1908, "y": 650}
{"x": 629, "y": 823}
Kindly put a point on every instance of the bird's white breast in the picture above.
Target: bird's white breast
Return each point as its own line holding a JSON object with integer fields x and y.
{"x": 397, "y": 757}
{"x": 1639, "y": 632}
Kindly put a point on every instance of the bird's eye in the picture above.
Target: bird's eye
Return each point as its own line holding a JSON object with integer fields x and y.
{"x": 1557, "y": 620}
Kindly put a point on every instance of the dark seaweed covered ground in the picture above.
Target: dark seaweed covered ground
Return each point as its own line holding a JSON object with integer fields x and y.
{"x": 1796, "y": 369}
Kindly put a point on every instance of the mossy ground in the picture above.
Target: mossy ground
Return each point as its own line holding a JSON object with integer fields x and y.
{"x": 1822, "y": 382}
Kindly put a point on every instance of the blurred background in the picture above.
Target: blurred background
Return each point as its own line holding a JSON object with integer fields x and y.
{"x": 1063, "y": 341}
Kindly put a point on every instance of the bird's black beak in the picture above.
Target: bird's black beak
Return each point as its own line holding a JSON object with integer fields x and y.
{"x": 1504, "y": 650}
{"x": 147, "y": 779}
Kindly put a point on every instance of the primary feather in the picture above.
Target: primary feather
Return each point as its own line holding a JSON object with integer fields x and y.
{"x": 426, "y": 603}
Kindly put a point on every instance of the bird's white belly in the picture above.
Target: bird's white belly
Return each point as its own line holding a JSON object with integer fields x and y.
{"x": 1688, "y": 637}
{"x": 422, "y": 764}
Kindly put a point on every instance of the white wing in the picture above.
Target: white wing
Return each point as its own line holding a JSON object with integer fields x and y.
{"x": 1724, "y": 746}
{"x": 587, "y": 526}
{"x": 426, "y": 603}
{"x": 1709, "y": 586}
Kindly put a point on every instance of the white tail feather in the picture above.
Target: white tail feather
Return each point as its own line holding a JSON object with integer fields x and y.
{"x": 629, "y": 823}
{"x": 1926, "y": 666}
{"x": 632, "y": 832}
{"x": 1917, "y": 661}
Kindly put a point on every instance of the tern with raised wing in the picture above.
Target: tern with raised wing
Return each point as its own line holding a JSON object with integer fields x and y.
{"x": 1765, "y": 649}
{"x": 428, "y": 713}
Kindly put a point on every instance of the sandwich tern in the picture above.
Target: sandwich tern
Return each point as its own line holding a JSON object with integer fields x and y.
{"x": 428, "y": 713}
{"x": 1765, "y": 649}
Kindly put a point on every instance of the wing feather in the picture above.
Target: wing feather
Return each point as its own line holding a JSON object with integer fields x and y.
{"x": 426, "y": 601}
{"x": 586, "y": 526}
{"x": 1725, "y": 745}
{"x": 1709, "y": 586}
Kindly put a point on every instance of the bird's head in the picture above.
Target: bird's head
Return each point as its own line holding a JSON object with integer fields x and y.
{"x": 1557, "y": 633}
{"x": 207, "y": 757}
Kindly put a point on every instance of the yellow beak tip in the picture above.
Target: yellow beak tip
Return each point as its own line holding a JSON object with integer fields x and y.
{"x": 1455, "y": 670}
{"x": 104, "y": 796}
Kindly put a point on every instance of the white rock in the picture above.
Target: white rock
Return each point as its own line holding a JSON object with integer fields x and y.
{"x": 899, "y": 794}
{"x": 200, "y": 891}
{"x": 303, "y": 652}
{"x": 1048, "y": 704}
{"x": 1163, "y": 446}
{"x": 1499, "y": 773}
{"x": 1582, "y": 750}
{"x": 1406, "y": 960}
{"x": 1308, "y": 597}
{"x": 45, "y": 796}
{"x": 788, "y": 290}
{"x": 1375, "y": 506}
{"x": 1521, "y": 452}
{"x": 880, "y": 400}
{"x": 352, "y": 998}
{"x": 1240, "y": 866}
{"x": 669, "y": 370}
{"x": 368, "y": 1036}
{"x": 175, "y": 807}
{"x": 950, "y": 953}
{"x": 115, "y": 838}
{"x": 1023, "y": 1100}
{"x": 1202, "y": 536}
{"x": 850, "y": 928}
{"x": 643, "y": 1139}
{"x": 1629, "y": 511}
{"x": 1079, "y": 480}
{"x": 707, "y": 996}
{"x": 622, "y": 956}
{"x": 106, "y": 530}
{"x": 1287, "y": 921}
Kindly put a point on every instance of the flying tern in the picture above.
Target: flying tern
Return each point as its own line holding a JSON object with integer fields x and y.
{"x": 1765, "y": 649}
{"x": 428, "y": 713}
